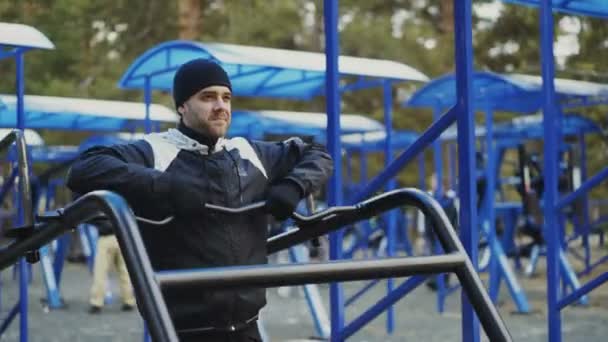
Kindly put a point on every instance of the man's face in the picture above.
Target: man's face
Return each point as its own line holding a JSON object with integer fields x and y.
{"x": 208, "y": 112}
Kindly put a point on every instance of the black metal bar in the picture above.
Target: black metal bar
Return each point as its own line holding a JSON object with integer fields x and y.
{"x": 25, "y": 194}
{"x": 9, "y": 139}
{"x": 24, "y": 179}
{"x": 309, "y": 273}
{"x": 490, "y": 318}
{"x": 114, "y": 207}
{"x": 336, "y": 217}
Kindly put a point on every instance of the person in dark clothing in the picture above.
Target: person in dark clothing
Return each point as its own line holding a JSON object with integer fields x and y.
{"x": 176, "y": 172}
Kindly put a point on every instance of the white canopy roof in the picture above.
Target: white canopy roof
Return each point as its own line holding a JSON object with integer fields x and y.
{"x": 70, "y": 113}
{"x": 23, "y": 35}
{"x": 312, "y": 61}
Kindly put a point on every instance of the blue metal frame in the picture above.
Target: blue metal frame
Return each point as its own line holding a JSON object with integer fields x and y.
{"x": 462, "y": 112}
{"x": 466, "y": 152}
{"x": 391, "y": 216}
{"x": 553, "y": 203}
{"x": 332, "y": 98}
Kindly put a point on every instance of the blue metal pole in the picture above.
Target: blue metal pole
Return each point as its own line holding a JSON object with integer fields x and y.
{"x": 585, "y": 219}
{"x": 550, "y": 168}
{"x": 20, "y": 85}
{"x": 452, "y": 161}
{"x": 332, "y": 98}
{"x": 489, "y": 224}
{"x": 390, "y": 185}
{"x": 23, "y": 269}
{"x": 363, "y": 168}
{"x": 466, "y": 153}
{"x": 421, "y": 172}
{"x": 148, "y": 101}
{"x": 348, "y": 181}
{"x": 437, "y": 158}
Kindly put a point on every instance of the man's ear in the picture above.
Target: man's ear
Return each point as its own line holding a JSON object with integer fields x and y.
{"x": 181, "y": 110}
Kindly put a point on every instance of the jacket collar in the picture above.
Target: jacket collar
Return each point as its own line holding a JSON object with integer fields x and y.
{"x": 184, "y": 142}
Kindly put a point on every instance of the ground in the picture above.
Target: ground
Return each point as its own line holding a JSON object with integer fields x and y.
{"x": 286, "y": 318}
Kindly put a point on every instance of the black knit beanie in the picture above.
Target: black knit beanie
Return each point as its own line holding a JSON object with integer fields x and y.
{"x": 195, "y": 75}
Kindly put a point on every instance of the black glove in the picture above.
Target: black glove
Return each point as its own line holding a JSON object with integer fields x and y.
{"x": 282, "y": 199}
{"x": 186, "y": 194}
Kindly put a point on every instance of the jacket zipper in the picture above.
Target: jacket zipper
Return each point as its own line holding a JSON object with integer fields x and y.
{"x": 232, "y": 247}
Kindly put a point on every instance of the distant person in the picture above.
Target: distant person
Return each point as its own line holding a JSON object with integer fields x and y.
{"x": 108, "y": 255}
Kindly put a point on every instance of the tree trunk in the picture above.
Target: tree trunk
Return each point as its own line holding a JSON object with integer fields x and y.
{"x": 188, "y": 17}
{"x": 446, "y": 11}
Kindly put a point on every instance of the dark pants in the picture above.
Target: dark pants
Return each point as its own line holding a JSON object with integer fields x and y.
{"x": 248, "y": 334}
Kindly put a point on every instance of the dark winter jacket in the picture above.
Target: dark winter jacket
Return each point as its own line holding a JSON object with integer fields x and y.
{"x": 237, "y": 172}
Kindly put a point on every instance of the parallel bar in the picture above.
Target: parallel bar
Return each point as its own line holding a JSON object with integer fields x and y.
{"x": 150, "y": 300}
{"x": 306, "y": 273}
{"x": 584, "y": 189}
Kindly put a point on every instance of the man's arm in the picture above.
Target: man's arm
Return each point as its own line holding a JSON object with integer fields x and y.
{"x": 307, "y": 165}
{"x": 126, "y": 170}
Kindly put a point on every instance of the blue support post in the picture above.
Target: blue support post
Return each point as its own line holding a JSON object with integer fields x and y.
{"x": 363, "y": 168}
{"x": 21, "y": 217}
{"x": 499, "y": 265}
{"x": 437, "y": 158}
{"x": 53, "y": 296}
{"x": 299, "y": 254}
{"x": 490, "y": 219}
{"x": 452, "y": 162}
{"x": 390, "y": 185}
{"x": 421, "y": 172}
{"x": 148, "y": 101}
{"x": 569, "y": 278}
{"x": 438, "y": 193}
{"x": 466, "y": 153}
{"x": 348, "y": 181}
{"x": 332, "y": 98}
{"x": 586, "y": 220}
{"x": 20, "y": 89}
{"x": 550, "y": 168}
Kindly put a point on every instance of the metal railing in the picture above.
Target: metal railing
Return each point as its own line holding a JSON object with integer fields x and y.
{"x": 25, "y": 211}
{"x": 147, "y": 284}
{"x": 115, "y": 208}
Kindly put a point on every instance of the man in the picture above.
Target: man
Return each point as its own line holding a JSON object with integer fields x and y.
{"x": 174, "y": 173}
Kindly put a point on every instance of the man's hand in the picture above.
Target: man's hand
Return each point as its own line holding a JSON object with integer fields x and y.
{"x": 282, "y": 199}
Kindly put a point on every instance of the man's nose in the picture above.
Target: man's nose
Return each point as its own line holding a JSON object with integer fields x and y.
{"x": 220, "y": 104}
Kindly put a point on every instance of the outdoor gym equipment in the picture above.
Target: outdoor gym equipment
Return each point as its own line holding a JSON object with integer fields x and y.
{"x": 147, "y": 283}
